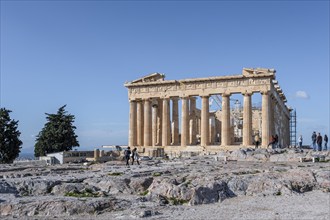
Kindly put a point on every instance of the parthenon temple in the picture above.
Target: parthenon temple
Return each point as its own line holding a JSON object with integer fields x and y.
{"x": 155, "y": 120}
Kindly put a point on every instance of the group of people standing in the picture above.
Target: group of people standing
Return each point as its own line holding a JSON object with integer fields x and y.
{"x": 317, "y": 141}
{"x": 131, "y": 155}
{"x": 316, "y": 145}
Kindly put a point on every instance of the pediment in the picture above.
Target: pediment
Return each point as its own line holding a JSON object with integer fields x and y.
{"x": 150, "y": 78}
{"x": 256, "y": 71}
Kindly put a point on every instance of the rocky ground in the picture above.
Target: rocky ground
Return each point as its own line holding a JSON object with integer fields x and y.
{"x": 251, "y": 184}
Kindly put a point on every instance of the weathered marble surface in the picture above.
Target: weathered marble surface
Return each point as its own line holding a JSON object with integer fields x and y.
{"x": 111, "y": 187}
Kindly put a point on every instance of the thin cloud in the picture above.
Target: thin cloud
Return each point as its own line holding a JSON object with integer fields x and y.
{"x": 302, "y": 95}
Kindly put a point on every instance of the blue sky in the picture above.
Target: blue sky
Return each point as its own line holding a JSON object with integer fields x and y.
{"x": 80, "y": 53}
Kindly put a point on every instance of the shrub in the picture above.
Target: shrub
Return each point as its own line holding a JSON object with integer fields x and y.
{"x": 85, "y": 193}
{"x": 156, "y": 174}
{"x": 144, "y": 193}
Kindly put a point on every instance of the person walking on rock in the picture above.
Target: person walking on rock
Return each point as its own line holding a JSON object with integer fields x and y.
{"x": 256, "y": 140}
{"x": 326, "y": 142}
{"x": 314, "y": 141}
{"x": 272, "y": 141}
{"x": 319, "y": 141}
{"x": 300, "y": 141}
{"x": 127, "y": 155}
{"x": 135, "y": 156}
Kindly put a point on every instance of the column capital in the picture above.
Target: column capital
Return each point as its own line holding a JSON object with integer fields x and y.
{"x": 204, "y": 96}
{"x": 265, "y": 92}
{"x": 175, "y": 98}
{"x": 246, "y": 93}
{"x": 225, "y": 94}
{"x": 154, "y": 103}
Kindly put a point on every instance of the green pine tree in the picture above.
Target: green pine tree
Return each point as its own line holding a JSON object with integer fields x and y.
{"x": 57, "y": 135}
{"x": 10, "y": 144}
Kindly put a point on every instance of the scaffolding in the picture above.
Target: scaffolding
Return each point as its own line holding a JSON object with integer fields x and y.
{"x": 293, "y": 128}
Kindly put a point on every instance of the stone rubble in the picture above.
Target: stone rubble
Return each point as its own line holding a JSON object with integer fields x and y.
{"x": 97, "y": 189}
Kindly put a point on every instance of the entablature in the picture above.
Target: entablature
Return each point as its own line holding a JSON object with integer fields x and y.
{"x": 201, "y": 86}
{"x": 250, "y": 81}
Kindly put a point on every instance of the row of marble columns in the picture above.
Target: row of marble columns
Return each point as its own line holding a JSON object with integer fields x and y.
{"x": 150, "y": 123}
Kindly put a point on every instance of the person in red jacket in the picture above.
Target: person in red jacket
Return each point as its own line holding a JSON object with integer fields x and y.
{"x": 272, "y": 141}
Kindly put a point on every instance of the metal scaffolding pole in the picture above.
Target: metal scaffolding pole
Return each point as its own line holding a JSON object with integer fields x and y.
{"x": 293, "y": 128}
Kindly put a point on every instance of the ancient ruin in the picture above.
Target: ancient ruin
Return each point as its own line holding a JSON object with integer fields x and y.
{"x": 156, "y": 122}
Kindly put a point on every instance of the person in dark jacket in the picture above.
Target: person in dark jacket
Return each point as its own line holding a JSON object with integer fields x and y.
{"x": 319, "y": 141}
{"x": 326, "y": 142}
{"x": 127, "y": 155}
{"x": 256, "y": 140}
{"x": 314, "y": 141}
{"x": 276, "y": 141}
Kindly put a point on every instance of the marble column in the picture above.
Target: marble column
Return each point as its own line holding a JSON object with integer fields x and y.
{"x": 175, "y": 121}
{"x": 184, "y": 122}
{"x": 159, "y": 122}
{"x": 225, "y": 120}
{"x": 212, "y": 129}
{"x": 205, "y": 121}
{"x": 218, "y": 131}
{"x": 132, "y": 123}
{"x": 282, "y": 128}
{"x": 147, "y": 122}
{"x": 154, "y": 122}
{"x": 265, "y": 118}
{"x": 199, "y": 126}
{"x": 192, "y": 123}
{"x": 139, "y": 130}
{"x": 166, "y": 122}
{"x": 287, "y": 125}
{"x": 286, "y": 130}
{"x": 247, "y": 120}
{"x": 272, "y": 130}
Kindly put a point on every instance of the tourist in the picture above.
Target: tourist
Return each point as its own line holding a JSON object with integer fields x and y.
{"x": 135, "y": 156}
{"x": 300, "y": 141}
{"x": 319, "y": 141}
{"x": 272, "y": 141}
{"x": 276, "y": 141}
{"x": 314, "y": 140}
{"x": 127, "y": 155}
{"x": 326, "y": 142}
{"x": 256, "y": 140}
